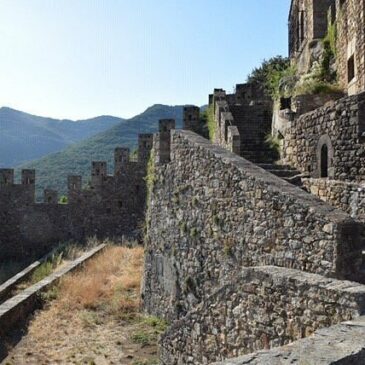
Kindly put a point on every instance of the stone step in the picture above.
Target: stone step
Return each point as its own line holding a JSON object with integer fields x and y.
{"x": 283, "y": 173}
{"x": 267, "y": 166}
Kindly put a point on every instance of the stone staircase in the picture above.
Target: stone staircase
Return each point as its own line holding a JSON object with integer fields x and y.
{"x": 253, "y": 125}
{"x": 285, "y": 172}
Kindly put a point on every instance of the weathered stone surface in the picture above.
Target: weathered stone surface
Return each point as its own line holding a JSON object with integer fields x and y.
{"x": 339, "y": 127}
{"x": 342, "y": 344}
{"x": 211, "y": 213}
{"x": 350, "y": 42}
{"x": 347, "y": 196}
{"x": 265, "y": 307}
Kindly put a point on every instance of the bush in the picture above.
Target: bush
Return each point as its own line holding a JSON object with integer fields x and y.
{"x": 274, "y": 144}
{"x": 63, "y": 200}
{"x": 207, "y": 118}
{"x": 314, "y": 86}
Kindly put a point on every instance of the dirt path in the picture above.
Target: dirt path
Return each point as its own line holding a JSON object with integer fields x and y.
{"x": 93, "y": 321}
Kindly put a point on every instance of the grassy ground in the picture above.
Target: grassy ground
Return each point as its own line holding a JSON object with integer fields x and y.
{"x": 95, "y": 317}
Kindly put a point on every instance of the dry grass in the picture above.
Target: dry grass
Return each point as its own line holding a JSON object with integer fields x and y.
{"x": 110, "y": 282}
{"x": 95, "y": 317}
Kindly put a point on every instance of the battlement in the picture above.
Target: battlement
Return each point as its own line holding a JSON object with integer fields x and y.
{"x": 121, "y": 158}
{"x": 145, "y": 142}
{"x": 74, "y": 183}
{"x": 162, "y": 141}
{"x": 191, "y": 117}
{"x": 28, "y": 177}
{"x": 50, "y": 196}
{"x": 6, "y": 177}
{"x": 99, "y": 172}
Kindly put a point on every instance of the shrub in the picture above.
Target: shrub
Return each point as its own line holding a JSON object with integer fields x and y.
{"x": 273, "y": 143}
{"x": 63, "y": 200}
{"x": 208, "y": 119}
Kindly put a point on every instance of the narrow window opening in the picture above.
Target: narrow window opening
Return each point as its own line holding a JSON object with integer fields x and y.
{"x": 301, "y": 31}
{"x": 351, "y": 68}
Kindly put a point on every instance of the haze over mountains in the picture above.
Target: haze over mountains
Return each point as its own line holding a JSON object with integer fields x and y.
{"x": 52, "y": 170}
{"x": 25, "y": 137}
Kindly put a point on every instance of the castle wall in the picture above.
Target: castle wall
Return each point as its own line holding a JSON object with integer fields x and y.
{"x": 340, "y": 127}
{"x": 265, "y": 307}
{"x": 111, "y": 207}
{"x": 212, "y": 212}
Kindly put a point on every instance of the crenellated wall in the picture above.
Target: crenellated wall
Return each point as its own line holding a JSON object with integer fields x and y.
{"x": 112, "y": 206}
{"x": 211, "y": 213}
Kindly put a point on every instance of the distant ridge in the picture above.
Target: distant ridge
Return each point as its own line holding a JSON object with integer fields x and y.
{"x": 52, "y": 170}
{"x": 25, "y": 137}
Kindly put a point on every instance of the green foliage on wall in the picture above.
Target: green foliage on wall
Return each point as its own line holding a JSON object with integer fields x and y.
{"x": 207, "y": 118}
{"x": 329, "y": 55}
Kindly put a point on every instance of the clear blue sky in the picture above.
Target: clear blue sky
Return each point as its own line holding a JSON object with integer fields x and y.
{"x": 83, "y": 58}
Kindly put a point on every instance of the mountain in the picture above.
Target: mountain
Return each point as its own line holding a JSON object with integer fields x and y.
{"x": 25, "y": 137}
{"x": 52, "y": 170}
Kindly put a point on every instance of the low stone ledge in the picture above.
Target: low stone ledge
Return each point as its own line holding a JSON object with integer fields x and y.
{"x": 10, "y": 284}
{"x": 345, "y": 195}
{"x": 266, "y": 307}
{"x": 18, "y": 308}
{"x": 342, "y": 344}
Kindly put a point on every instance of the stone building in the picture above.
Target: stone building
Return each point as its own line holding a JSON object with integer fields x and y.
{"x": 325, "y": 138}
{"x": 350, "y": 24}
{"x": 309, "y": 21}
{"x": 307, "y": 26}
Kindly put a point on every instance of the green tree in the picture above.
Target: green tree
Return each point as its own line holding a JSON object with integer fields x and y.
{"x": 260, "y": 75}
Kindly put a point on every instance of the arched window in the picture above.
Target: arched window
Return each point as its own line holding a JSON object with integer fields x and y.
{"x": 324, "y": 161}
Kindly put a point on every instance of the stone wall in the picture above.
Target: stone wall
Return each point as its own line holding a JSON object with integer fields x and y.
{"x": 347, "y": 196}
{"x": 342, "y": 344}
{"x": 111, "y": 207}
{"x": 307, "y": 26}
{"x": 350, "y": 23}
{"x": 212, "y": 213}
{"x": 339, "y": 127}
{"x": 265, "y": 307}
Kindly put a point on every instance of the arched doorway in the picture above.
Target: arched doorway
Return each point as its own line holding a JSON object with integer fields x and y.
{"x": 325, "y": 155}
{"x": 324, "y": 161}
